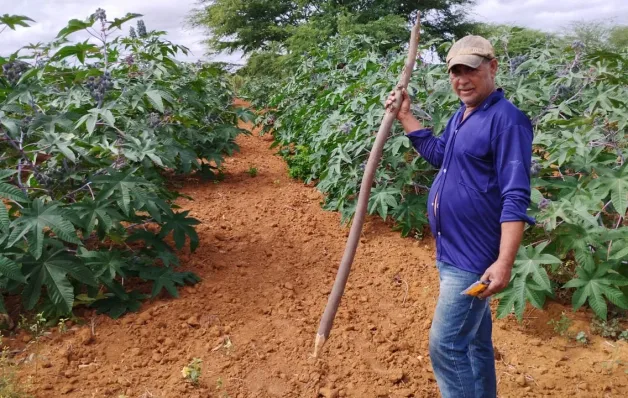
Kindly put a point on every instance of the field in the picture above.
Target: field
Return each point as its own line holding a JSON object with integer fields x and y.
{"x": 174, "y": 229}
{"x": 267, "y": 259}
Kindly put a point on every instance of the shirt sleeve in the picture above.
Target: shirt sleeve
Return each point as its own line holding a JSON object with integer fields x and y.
{"x": 512, "y": 150}
{"x": 430, "y": 147}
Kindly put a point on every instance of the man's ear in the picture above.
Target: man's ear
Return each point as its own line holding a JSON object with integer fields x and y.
{"x": 494, "y": 65}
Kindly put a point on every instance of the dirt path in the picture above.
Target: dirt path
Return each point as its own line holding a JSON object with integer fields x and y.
{"x": 268, "y": 258}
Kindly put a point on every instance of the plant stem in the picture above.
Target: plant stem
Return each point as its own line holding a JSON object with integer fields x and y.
{"x": 77, "y": 190}
{"x": 603, "y": 208}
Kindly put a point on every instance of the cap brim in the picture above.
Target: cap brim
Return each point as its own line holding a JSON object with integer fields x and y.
{"x": 472, "y": 61}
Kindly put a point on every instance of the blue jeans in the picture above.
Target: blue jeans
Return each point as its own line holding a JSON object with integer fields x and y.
{"x": 461, "y": 348}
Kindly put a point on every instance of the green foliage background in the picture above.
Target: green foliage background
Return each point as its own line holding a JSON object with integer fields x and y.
{"x": 325, "y": 115}
{"x": 89, "y": 134}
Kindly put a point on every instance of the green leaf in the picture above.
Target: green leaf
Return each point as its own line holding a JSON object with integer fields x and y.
{"x": 410, "y": 214}
{"x": 104, "y": 264}
{"x": 75, "y": 25}
{"x": 382, "y": 199}
{"x": 181, "y": 225}
{"x": 14, "y": 20}
{"x": 80, "y": 51}
{"x": 11, "y": 269}
{"x": 117, "y": 22}
{"x": 10, "y": 191}
{"x": 100, "y": 211}
{"x": 33, "y": 221}
{"x": 123, "y": 183}
{"x": 155, "y": 98}
{"x": 91, "y": 123}
{"x": 594, "y": 285}
{"x": 51, "y": 270}
{"x": 166, "y": 278}
{"x": 615, "y": 182}
{"x": 108, "y": 117}
{"x": 622, "y": 254}
{"x": 115, "y": 306}
{"x": 529, "y": 281}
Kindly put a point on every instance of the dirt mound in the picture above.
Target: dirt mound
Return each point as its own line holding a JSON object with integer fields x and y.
{"x": 268, "y": 258}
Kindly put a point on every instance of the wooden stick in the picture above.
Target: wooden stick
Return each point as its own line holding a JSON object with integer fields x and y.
{"x": 333, "y": 302}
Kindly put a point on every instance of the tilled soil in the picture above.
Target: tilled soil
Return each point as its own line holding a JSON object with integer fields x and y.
{"x": 268, "y": 258}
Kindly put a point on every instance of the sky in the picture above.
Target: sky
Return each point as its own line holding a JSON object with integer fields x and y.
{"x": 170, "y": 15}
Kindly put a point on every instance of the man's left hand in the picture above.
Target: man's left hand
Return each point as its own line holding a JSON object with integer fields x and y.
{"x": 498, "y": 275}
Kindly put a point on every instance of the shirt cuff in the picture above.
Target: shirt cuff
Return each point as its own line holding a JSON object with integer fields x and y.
{"x": 509, "y": 216}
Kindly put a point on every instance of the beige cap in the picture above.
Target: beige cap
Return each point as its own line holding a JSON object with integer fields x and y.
{"x": 471, "y": 51}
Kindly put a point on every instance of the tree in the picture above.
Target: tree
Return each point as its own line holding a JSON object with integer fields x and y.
{"x": 594, "y": 34}
{"x": 619, "y": 37}
{"x": 511, "y": 40}
{"x": 251, "y": 25}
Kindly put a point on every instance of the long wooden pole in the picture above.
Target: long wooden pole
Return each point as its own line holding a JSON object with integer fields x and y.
{"x": 333, "y": 302}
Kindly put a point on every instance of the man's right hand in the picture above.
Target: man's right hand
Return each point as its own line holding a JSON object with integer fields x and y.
{"x": 404, "y": 115}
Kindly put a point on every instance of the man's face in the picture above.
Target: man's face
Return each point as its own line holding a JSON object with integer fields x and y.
{"x": 472, "y": 86}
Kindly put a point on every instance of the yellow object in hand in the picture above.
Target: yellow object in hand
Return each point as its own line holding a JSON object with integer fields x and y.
{"x": 476, "y": 288}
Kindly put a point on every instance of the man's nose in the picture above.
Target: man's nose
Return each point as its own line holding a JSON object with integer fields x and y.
{"x": 462, "y": 79}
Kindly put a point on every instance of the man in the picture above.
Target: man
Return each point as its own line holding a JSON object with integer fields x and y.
{"x": 477, "y": 210}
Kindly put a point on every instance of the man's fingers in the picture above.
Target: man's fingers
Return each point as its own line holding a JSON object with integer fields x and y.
{"x": 489, "y": 291}
{"x": 493, "y": 288}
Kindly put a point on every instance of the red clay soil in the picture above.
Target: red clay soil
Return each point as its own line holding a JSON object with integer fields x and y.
{"x": 268, "y": 258}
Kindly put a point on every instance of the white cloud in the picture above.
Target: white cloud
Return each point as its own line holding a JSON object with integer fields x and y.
{"x": 550, "y": 15}
{"x": 52, "y": 15}
{"x": 169, "y": 15}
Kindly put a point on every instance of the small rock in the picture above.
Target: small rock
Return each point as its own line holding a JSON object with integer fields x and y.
{"x": 288, "y": 286}
{"x": 157, "y": 357}
{"x": 135, "y": 352}
{"x": 124, "y": 382}
{"x": 315, "y": 376}
{"x": 396, "y": 375}
{"x": 405, "y": 392}
{"x": 220, "y": 237}
{"x": 521, "y": 380}
{"x": 535, "y": 342}
{"x": 67, "y": 389}
{"x": 193, "y": 321}
{"x": 46, "y": 364}
{"x": 328, "y": 392}
{"x": 274, "y": 225}
{"x": 27, "y": 338}
{"x": 85, "y": 336}
{"x": 144, "y": 317}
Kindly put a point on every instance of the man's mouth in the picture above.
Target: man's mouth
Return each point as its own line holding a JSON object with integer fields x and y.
{"x": 466, "y": 91}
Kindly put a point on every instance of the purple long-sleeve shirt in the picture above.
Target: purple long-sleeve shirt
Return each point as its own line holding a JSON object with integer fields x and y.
{"x": 484, "y": 180}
